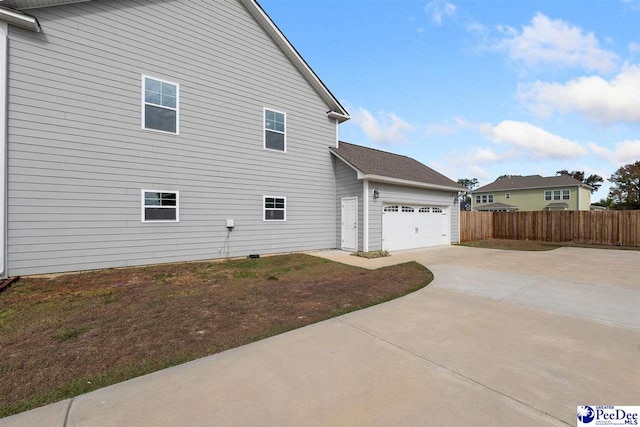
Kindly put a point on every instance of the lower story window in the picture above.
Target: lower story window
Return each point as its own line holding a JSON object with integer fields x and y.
{"x": 275, "y": 208}
{"x": 160, "y": 206}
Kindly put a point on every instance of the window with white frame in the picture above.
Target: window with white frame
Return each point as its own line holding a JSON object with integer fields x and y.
{"x": 424, "y": 210}
{"x": 407, "y": 209}
{"x": 160, "y": 206}
{"x": 159, "y": 105}
{"x": 275, "y": 130}
{"x": 436, "y": 210}
{"x": 507, "y": 195}
{"x": 391, "y": 209}
{"x": 557, "y": 194}
{"x": 275, "y": 208}
{"x": 485, "y": 198}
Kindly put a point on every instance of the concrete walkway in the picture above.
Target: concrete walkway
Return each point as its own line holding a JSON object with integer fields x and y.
{"x": 499, "y": 338}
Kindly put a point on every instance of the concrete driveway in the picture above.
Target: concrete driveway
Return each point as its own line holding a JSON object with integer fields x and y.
{"x": 499, "y": 338}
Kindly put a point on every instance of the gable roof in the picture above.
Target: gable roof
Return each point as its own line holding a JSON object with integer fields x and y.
{"x": 377, "y": 165}
{"x": 337, "y": 111}
{"x": 530, "y": 182}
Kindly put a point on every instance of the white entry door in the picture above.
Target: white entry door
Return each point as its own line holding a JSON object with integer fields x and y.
{"x": 411, "y": 226}
{"x": 350, "y": 223}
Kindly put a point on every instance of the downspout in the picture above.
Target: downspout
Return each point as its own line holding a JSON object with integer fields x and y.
{"x": 4, "y": 35}
{"x": 365, "y": 216}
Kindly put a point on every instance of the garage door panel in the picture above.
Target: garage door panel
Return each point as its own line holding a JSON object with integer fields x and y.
{"x": 410, "y": 226}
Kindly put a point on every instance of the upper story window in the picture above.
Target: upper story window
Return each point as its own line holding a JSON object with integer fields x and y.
{"x": 159, "y": 105}
{"x": 557, "y": 194}
{"x": 160, "y": 206}
{"x": 485, "y": 198}
{"x": 275, "y": 208}
{"x": 507, "y": 195}
{"x": 275, "y": 125}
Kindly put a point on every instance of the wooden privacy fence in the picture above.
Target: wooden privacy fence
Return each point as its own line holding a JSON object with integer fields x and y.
{"x": 587, "y": 227}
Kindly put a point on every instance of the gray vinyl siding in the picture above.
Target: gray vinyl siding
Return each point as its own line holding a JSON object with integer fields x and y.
{"x": 347, "y": 185}
{"x": 409, "y": 195}
{"x": 78, "y": 158}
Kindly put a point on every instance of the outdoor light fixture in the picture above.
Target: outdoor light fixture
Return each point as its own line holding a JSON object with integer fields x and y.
{"x": 376, "y": 194}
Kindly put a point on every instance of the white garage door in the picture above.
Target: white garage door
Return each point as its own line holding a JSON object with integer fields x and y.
{"x": 411, "y": 226}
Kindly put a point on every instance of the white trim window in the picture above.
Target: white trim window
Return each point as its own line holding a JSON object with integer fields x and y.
{"x": 391, "y": 208}
{"x": 485, "y": 198}
{"x": 275, "y": 208}
{"x": 557, "y": 194}
{"x": 160, "y": 105}
{"x": 275, "y": 130}
{"x": 507, "y": 195}
{"x": 408, "y": 209}
{"x": 160, "y": 206}
{"x": 436, "y": 210}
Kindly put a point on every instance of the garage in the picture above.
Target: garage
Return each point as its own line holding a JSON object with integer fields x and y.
{"x": 412, "y": 226}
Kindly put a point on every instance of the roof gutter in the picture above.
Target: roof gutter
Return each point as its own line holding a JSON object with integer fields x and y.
{"x": 396, "y": 181}
{"x": 338, "y": 116}
{"x": 19, "y": 19}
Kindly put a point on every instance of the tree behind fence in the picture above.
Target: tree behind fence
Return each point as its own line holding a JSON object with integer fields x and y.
{"x": 586, "y": 227}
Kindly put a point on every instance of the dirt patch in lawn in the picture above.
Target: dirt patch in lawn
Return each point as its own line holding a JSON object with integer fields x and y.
{"x": 63, "y": 336}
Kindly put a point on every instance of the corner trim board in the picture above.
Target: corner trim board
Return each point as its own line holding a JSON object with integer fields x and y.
{"x": 4, "y": 35}
{"x": 365, "y": 216}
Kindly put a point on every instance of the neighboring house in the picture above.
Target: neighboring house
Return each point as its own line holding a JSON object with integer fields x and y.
{"x": 532, "y": 193}
{"x": 150, "y": 131}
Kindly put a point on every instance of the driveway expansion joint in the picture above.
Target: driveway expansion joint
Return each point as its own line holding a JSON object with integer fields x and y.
{"x": 456, "y": 373}
{"x": 66, "y": 415}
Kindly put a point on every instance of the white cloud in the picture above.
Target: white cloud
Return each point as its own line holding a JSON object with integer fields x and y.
{"x": 440, "y": 9}
{"x": 387, "y": 128}
{"x": 603, "y": 101}
{"x": 478, "y": 172}
{"x": 625, "y": 152}
{"x": 634, "y": 48}
{"x": 535, "y": 142}
{"x": 555, "y": 42}
{"x": 448, "y": 127}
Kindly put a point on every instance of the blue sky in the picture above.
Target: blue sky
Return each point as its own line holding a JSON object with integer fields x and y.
{"x": 477, "y": 89}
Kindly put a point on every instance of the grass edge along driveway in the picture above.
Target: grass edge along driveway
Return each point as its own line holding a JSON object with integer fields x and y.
{"x": 68, "y": 335}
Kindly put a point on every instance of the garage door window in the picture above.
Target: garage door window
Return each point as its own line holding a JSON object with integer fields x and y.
{"x": 436, "y": 210}
{"x": 424, "y": 210}
{"x": 407, "y": 209}
{"x": 391, "y": 209}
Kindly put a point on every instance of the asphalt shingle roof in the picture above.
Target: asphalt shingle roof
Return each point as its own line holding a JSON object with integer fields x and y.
{"x": 530, "y": 181}
{"x": 382, "y": 163}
